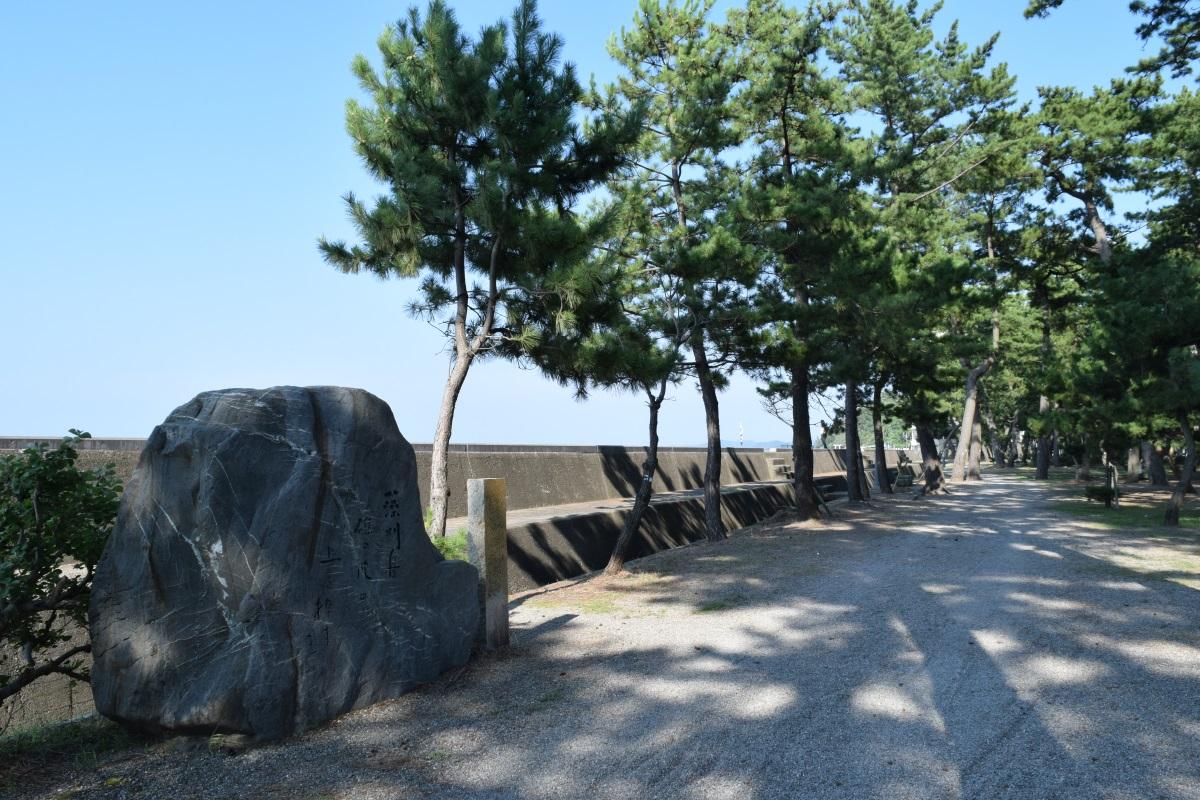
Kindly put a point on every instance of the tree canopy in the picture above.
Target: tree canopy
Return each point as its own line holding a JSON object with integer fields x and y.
{"x": 831, "y": 197}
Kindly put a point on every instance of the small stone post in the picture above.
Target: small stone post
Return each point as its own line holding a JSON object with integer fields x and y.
{"x": 487, "y": 549}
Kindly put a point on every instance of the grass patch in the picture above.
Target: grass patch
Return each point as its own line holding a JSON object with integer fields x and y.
{"x": 597, "y": 604}
{"x": 80, "y": 744}
{"x": 452, "y": 545}
{"x": 1123, "y": 516}
{"x": 1160, "y": 564}
{"x": 720, "y": 604}
{"x": 1055, "y": 475}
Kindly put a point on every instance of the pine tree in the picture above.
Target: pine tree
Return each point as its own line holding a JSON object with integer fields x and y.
{"x": 1146, "y": 345}
{"x": 629, "y": 329}
{"x": 938, "y": 111}
{"x": 993, "y": 202}
{"x": 1089, "y": 146}
{"x": 478, "y": 145}
{"x": 677, "y": 69}
{"x": 795, "y": 189}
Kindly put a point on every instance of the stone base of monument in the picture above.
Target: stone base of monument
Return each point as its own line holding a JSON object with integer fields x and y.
{"x": 270, "y": 570}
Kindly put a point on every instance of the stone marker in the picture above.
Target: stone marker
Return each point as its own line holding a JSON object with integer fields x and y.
{"x": 270, "y": 570}
{"x": 487, "y": 548}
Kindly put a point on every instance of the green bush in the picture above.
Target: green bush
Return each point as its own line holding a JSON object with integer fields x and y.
{"x": 452, "y": 545}
{"x": 54, "y": 521}
{"x": 1105, "y": 494}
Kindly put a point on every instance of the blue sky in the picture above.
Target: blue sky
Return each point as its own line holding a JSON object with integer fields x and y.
{"x": 166, "y": 168}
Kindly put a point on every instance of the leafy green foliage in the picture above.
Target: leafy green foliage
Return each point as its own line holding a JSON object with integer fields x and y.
{"x": 54, "y": 521}
{"x": 477, "y": 143}
{"x": 843, "y": 194}
{"x": 674, "y": 201}
{"x": 452, "y": 545}
{"x": 484, "y": 150}
{"x": 1105, "y": 494}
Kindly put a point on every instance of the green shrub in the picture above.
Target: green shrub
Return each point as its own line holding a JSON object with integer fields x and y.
{"x": 1105, "y": 494}
{"x": 80, "y": 743}
{"x": 54, "y": 521}
{"x": 452, "y": 545}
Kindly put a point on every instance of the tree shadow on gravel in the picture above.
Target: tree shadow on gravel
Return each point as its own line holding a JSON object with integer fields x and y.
{"x": 973, "y": 646}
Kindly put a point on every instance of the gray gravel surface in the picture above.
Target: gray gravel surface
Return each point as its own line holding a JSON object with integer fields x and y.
{"x": 980, "y": 645}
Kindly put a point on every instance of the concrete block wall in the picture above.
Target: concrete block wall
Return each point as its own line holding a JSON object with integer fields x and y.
{"x": 556, "y": 476}
{"x": 545, "y": 475}
{"x": 565, "y": 547}
{"x": 553, "y": 476}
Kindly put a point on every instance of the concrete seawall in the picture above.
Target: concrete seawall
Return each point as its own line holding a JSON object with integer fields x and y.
{"x": 539, "y": 475}
{"x": 539, "y": 478}
{"x": 564, "y": 545}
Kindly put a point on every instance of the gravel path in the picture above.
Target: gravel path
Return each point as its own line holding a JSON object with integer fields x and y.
{"x": 980, "y": 645}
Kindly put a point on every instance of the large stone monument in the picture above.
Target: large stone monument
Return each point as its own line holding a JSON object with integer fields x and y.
{"x": 270, "y": 570}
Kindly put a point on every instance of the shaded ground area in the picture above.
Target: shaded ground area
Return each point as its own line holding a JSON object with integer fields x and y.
{"x": 981, "y": 645}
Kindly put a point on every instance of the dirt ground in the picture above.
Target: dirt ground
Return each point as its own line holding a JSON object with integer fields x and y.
{"x": 1004, "y": 641}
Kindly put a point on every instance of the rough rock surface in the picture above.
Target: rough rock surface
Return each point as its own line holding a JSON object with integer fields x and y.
{"x": 269, "y": 569}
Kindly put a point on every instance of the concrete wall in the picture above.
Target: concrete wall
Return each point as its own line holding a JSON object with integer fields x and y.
{"x": 556, "y": 477}
{"x": 53, "y": 698}
{"x": 565, "y": 547}
{"x": 544, "y": 475}
{"x": 548, "y": 475}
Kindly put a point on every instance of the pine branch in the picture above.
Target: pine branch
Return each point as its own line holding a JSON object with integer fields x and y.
{"x": 57, "y": 665}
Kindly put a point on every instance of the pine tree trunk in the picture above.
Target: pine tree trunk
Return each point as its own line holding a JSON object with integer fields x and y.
{"x": 645, "y": 491}
{"x": 1044, "y": 446}
{"x": 853, "y": 450}
{"x": 883, "y": 485}
{"x": 863, "y": 485}
{"x": 966, "y": 460}
{"x": 971, "y": 404}
{"x": 1175, "y": 506}
{"x": 973, "y": 456}
{"x": 1099, "y": 230}
{"x": 931, "y": 461}
{"x": 713, "y": 527}
{"x": 1133, "y": 465}
{"x": 802, "y": 451}
{"x": 967, "y": 429}
{"x": 439, "y": 490}
{"x": 993, "y": 434}
{"x": 1001, "y": 456}
{"x": 1091, "y": 212}
{"x": 1158, "y": 470}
